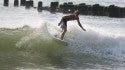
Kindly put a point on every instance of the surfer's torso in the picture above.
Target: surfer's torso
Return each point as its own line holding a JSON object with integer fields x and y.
{"x": 70, "y": 17}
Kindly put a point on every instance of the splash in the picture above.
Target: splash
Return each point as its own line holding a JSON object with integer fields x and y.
{"x": 36, "y": 47}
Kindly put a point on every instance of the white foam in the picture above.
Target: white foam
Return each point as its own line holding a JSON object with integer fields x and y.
{"x": 93, "y": 42}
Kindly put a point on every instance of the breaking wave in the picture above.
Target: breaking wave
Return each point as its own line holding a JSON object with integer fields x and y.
{"x": 37, "y": 47}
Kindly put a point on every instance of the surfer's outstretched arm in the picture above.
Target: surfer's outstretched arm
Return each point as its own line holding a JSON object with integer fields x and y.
{"x": 80, "y": 25}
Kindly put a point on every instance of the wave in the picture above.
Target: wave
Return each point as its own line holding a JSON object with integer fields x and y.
{"x": 98, "y": 44}
{"x": 38, "y": 46}
{"x": 92, "y": 42}
{"x": 27, "y": 45}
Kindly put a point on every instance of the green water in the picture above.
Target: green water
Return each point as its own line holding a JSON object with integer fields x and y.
{"x": 27, "y": 48}
{"x": 34, "y": 49}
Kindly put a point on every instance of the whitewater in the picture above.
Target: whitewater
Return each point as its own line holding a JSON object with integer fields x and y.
{"x": 27, "y": 40}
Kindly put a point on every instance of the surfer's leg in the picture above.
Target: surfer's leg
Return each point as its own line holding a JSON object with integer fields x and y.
{"x": 64, "y": 29}
{"x": 63, "y": 33}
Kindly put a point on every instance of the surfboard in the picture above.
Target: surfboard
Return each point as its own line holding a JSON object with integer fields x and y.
{"x": 57, "y": 38}
{"x": 54, "y": 32}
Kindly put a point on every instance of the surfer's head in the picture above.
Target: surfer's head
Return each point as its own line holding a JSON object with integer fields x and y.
{"x": 76, "y": 12}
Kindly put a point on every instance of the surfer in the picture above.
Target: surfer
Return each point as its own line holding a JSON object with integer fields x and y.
{"x": 63, "y": 22}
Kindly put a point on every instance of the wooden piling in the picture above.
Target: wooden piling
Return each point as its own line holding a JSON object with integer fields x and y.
{"x": 114, "y": 11}
{"x": 16, "y": 3}
{"x": 124, "y": 12}
{"x": 64, "y": 8}
{"x": 68, "y": 7}
{"x": 83, "y": 8}
{"x": 54, "y": 6}
{"x": 23, "y": 2}
{"x": 121, "y": 12}
{"x": 89, "y": 9}
{"x": 39, "y": 8}
{"x": 28, "y": 4}
{"x": 71, "y": 8}
{"x": 97, "y": 10}
{"x": 6, "y": 2}
{"x": 105, "y": 11}
{"x": 70, "y": 3}
{"x": 31, "y": 3}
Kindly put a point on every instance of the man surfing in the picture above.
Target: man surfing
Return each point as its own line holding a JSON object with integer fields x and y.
{"x": 63, "y": 22}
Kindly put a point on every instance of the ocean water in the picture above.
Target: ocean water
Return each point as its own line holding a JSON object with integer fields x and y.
{"x": 27, "y": 40}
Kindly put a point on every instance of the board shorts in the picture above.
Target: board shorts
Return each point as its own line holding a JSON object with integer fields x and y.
{"x": 64, "y": 24}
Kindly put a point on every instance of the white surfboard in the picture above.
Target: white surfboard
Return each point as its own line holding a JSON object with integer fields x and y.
{"x": 56, "y": 37}
{"x": 55, "y": 33}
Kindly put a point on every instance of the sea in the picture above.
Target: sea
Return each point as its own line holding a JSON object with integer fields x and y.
{"x": 28, "y": 39}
